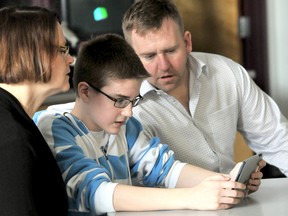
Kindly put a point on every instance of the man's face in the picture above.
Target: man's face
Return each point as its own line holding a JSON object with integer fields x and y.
{"x": 163, "y": 53}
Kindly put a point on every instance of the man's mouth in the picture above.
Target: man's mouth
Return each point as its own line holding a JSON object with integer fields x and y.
{"x": 166, "y": 77}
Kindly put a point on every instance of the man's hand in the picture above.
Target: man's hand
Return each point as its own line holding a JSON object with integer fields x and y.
{"x": 255, "y": 179}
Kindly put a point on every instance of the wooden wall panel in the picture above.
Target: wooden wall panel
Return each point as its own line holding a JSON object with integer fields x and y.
{"x": 213, "y": 25}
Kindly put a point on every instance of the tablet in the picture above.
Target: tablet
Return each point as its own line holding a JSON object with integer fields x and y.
{"x": 247, "y": 168}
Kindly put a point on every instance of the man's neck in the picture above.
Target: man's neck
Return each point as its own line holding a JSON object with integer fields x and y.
{"x": 181, "y": 93}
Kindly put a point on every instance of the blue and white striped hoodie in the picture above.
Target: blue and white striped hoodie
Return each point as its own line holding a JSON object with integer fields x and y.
{"x": 93, "y": 163}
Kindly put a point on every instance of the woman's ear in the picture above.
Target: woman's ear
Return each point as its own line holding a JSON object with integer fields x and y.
{"x": 83, "y": 91}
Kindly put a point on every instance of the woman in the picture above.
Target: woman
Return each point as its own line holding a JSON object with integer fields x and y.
{"x": 34, "y": 64}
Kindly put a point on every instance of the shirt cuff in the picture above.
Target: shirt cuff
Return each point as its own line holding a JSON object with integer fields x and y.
{"x": 174, "y": 173}
{"x": 104, "y": 197}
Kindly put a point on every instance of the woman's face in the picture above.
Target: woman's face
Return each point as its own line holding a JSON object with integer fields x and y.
{"x": 60, "y": 66}
{"x": 101, "y": 112}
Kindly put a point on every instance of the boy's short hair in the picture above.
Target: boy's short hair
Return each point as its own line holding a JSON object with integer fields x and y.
{"x": 105, "y": 57}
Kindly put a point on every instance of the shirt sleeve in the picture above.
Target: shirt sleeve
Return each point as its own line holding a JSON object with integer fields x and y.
{"x": 261, "y": 122}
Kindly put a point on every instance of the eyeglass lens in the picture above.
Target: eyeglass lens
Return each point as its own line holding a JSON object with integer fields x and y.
{"x": 121, "y": 102}
{"x": 65, "y": 49}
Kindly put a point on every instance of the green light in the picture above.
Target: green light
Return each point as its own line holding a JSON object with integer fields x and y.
{"x": 100, "y": 13}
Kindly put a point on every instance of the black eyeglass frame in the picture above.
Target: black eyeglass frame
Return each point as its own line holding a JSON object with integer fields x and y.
{"x": 118, "y": 101}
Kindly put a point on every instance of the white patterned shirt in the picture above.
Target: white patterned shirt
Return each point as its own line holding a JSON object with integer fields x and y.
{"x": 223, "y": 100}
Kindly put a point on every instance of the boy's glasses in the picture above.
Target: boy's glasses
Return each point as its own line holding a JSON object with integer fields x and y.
{"x": 120, "y": 102}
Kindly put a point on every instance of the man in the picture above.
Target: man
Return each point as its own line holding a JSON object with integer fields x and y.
{"x": 196, "y": 102}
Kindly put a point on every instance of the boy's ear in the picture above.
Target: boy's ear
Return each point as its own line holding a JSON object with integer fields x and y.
{"x": 83, "y": 91}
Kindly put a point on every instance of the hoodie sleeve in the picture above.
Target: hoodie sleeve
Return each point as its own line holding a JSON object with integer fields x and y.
{"x": 84, "y": 177}
{"x": 150, "y": 160}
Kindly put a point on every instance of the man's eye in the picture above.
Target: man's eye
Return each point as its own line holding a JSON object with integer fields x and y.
{"x": 149, "y": 56}
{"x": 171, "y": 51}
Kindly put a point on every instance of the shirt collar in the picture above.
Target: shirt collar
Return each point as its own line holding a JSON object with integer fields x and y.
{"x": 146, "y": 87}
{"x": 197, "y": 66}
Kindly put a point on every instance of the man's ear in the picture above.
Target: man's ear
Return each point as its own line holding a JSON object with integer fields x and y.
{"x": 188, "y": 41}
{"x": 83, "y": 91}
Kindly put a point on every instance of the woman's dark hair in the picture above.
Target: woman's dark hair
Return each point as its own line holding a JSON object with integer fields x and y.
{"x": 28, "y": 43}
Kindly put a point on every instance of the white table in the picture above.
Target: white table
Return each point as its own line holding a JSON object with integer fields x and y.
{"x": 270, "y": 200}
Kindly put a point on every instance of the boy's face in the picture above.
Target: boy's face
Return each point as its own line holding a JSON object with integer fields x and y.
{"x": 103, "y": 115}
